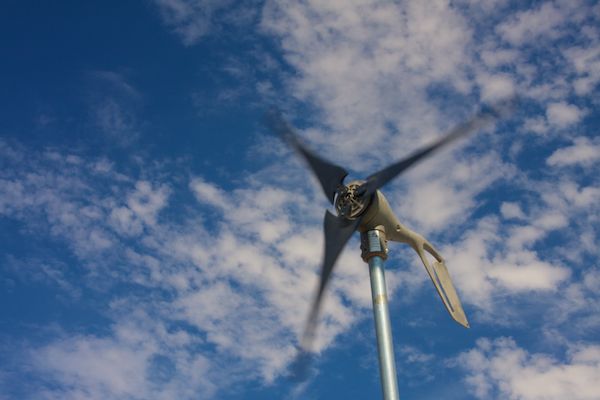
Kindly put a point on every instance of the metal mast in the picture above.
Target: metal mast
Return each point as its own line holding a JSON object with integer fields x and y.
{"x": 374, "y": 252}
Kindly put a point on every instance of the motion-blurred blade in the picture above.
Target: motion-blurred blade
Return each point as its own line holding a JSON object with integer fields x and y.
{"x": 338, "y": 231}
{"x": 485, "y": 116}
{"x": 330, "y": 175}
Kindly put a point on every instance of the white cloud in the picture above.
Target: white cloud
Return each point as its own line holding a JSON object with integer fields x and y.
{"x": 443, "y": 190}
{"x": 205, "y": 192}
{"x": 470, "y": 263}
{"x": 367, "y": 66}
{"x": 484, "y": 6}
{"x": 146, "y": 202}
{"x": 496, "y": 87}
{"x": 114, "y": 106}
{"x": 527, "y": 273}
{"x": 123, "y": 221}
{"x": 537, "y": 125}
{"x": 530, "y": 25}
{"x": 577, "y": 308}
{"x": 116, "y": 120}
{"x": 532, "y": 47}
{"x": 586, "y": 61}
{"x": 418, "y": 364}
{"x": 46, "y": 271}
{"x": 36, "y": 191}
{"x": 287, "y": 279}
{"x": 141, "y": 209}
{"x": 117, "y": 81}
{"x": 192, "y": 20}
{"x": 500, "y": 369}
{"x": 511, "y": 210}
{"x": 577, "y": 196}
{"x": 495, "y": 261}
{"x": 582, "y": 152}
{"x": 229, "y": 277}
{"x": 140, "y": 359}
{"x": 485, "y": 264}
{"x": 499, "y": 57}
{"x": 211, "y": 309}
{"x": 102, "y": 367}
{"x": 562, "y": 114}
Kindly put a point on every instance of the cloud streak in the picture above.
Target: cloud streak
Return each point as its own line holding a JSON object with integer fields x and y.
{"x": 501, "y": 369}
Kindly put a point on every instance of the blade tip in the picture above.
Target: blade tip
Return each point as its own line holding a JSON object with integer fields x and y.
{"x": 462, "y": 320}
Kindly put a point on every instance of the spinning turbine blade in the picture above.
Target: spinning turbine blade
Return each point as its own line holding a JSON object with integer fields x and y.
{"x": 338, "y": 231}
{"x": 479, "y": 120}
{"x": 330, "y": 175}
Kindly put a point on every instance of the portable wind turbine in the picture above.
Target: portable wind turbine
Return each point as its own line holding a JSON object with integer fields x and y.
{"x": 361, "y": 206}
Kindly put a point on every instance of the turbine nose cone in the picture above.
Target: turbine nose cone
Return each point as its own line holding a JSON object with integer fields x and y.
{"x": 349, "y": 203}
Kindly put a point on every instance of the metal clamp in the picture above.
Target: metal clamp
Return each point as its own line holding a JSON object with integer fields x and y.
{"x": 373, "y": 243}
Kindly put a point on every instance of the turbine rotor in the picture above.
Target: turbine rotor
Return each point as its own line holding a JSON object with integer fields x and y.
{"x": 350, "y": 201}
{"x": 361, "y": 206}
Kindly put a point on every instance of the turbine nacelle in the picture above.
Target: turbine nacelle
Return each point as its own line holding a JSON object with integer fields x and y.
{"x": 352, "y": 202}
{"x": 375, "y": 213}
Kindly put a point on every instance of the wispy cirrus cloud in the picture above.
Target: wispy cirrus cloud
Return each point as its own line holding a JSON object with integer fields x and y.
{"x": 114, "y": 107}
{"x": 499, "y": 256}
{"x": 192, "y": 20}
{"x": 586, "y": 62}
{"x": 542, "y": 22}
{"x": 501, "y": 369}
{"x": 583, "y": 152}
{"x": 207, "y": 298}
{"x": 367, "y": 66}
{"x": 139, "y": 359}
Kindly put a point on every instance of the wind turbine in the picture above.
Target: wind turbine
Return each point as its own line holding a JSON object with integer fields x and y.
{"x": 361, "y": 206}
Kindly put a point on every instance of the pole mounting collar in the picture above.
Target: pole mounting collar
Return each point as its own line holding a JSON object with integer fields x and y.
{"x": 373, "y": 243}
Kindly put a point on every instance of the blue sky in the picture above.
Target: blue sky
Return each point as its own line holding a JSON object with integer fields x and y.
{"x": 157, "y": 242}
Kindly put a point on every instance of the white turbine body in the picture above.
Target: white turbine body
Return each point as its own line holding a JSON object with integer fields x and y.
{"x": 379, "y": 214}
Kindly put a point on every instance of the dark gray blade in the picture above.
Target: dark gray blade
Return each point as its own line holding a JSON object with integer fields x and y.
{"x": 330, "y": 175}
{"x": 482, "y": 118}
{"x": 338, "y": 231}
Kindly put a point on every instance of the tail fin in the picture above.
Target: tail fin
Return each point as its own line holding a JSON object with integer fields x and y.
{"x": 443, "y": 284}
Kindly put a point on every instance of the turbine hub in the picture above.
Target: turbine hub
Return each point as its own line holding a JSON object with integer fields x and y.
{"x": 349, "y": 202}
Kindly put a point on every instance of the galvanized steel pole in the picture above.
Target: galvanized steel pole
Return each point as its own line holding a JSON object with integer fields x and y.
{"x": 374, "y": 251}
